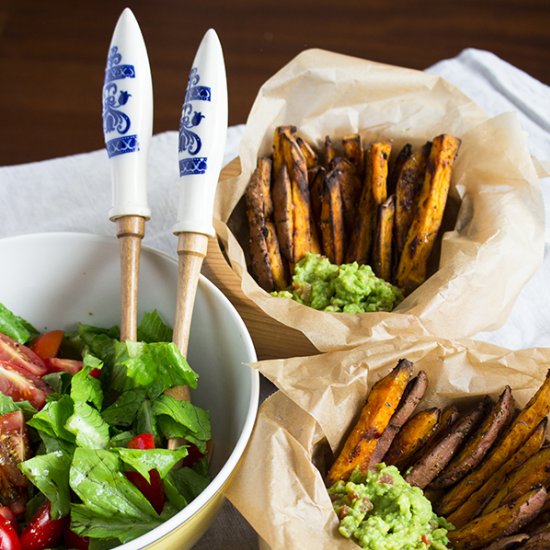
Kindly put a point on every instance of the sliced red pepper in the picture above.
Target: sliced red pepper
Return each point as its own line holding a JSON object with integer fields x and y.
{"x": 47, "y": 345}
{"x": 8, "y": 536}
{"x": 43, "y": 531}
{"x": 153, "y": 491}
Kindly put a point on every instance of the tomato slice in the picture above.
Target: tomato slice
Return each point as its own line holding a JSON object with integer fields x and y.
{"x": 14, "y": 448}
{"x": 55, "y": 364}
{"x": 21, "y": 357}
{"x": 8, "y": 536}
{"x": 43, "y": 531}
{"x": 9, "y": 516}
{"x": 14, "y": 436}
{"x": 21, "y": 387}
{"x": 153, "y": 491}
{"x": 47, "y": 345}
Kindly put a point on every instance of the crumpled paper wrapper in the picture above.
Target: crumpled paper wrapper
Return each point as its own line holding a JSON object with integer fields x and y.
{"x": 279, "y": 487}
{"x": 494, "y": 238}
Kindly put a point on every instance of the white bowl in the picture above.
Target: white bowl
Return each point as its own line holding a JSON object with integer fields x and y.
{"x": 55, "y": 280}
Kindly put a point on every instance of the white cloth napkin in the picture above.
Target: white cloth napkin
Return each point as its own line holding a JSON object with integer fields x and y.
{"x": 74, "y": 193}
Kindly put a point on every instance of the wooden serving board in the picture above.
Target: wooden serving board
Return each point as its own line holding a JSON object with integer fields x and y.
{"x": 272, "y": 339}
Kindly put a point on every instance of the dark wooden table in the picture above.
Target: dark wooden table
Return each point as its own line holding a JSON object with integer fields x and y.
{"x": 52, "y": 52}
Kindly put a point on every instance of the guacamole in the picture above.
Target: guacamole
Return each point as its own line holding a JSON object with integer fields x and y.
{"x": 351, "y": 288}
{"x": 381, "y": 511}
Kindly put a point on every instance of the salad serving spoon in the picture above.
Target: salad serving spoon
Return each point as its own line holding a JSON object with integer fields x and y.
{"x": 127, "y": 128}
{"x": 202, "y": 135}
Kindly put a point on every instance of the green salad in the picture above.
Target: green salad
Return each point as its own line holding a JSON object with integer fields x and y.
{"x": 84, "y": 427}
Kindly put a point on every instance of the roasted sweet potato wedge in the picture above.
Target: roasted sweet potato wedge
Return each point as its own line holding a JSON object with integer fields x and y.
{"x": 255, "y": 213}
{"x": 540, "y": 541}
{"x": 409, "y": 176}
{"x": 350, "y": 189}
{"x": 505, "y": 520}
{"x": 263, "y": 173}
{"x": 276, "y": 262}
{"x": 329, "y": 152}
{"x": 411, "y": 437}
{"x": 383, "y": 240}
{"x": 301, "y": 211}
{"x": 331, "y": 222}
{"x": 283, "y": 216}
{"x": 278, "y": 155}
{"x": 315, "y": 178}
{"x": 312, "y": 159}
{"x": 374, "y": 193}
{"x": 393, "y": 175}
{"x": 533, "y": 473}
{"x": 353, "y": 151}
{"x": 411, "y": 271}
{"x": 475, "y": 502}
{"x": 361, "y": 443}
{"x": 479, "y": 444}
{"x": 427, "y": 468}
{"x": 514, "y": 437}
{"x": 504, "y": 543}
{"x": 412, "y": 396}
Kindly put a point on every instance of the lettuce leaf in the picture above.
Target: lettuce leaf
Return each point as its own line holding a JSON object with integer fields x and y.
{"x": 100, "y": 342}
{"x": 50, "y": 473}
{"x": 52, "y": 418}
{"x": 89, "y": 428}
{"x": 183, "y": 485}
{"x": 155, "y": 367}
{"x": 15, "y": 327}
{"x": 183, "y": 419}
{"x": 111, "y": 505}
{"x": 162, "y": 460}
{"x": 153, "y": 329}
{"x": 124, "y": 410}
{"x": 86, "y": 388}
{"x": 94, "y": 524}
{"x": 146, "y": 422}
{"x": 59, "y": 381}
{"x": 7, "y": 405}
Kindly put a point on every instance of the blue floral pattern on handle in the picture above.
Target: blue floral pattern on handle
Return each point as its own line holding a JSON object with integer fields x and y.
{"x": 189, "y": 140}
{"x": 114, "y": 118}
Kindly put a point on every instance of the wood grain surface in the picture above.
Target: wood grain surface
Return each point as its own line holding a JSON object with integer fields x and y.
{"x": 52, "y": 53}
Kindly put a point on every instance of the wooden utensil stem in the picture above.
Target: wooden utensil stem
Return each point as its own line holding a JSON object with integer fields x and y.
{"x": 130, "y": 231}
{"x": 191, "y": 252}
{"x": 192, "y": 249}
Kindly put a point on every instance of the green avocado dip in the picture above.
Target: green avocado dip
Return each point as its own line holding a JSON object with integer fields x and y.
{"x": 349, "y": 288}
{"x": 379, "y": 510}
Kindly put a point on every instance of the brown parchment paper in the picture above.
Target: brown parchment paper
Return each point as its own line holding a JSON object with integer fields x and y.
{"x": 486, "y": 257}
{"x": 279, "y": 488}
